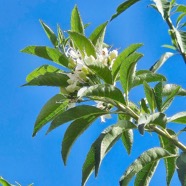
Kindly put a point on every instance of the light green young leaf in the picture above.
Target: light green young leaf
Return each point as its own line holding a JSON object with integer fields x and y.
{"x": 75, "y": 129}
{"x": 122, "y": 56}
{"x": 55, "y": 106}
{"x": 76, "y": 21}
{"x": 74, "y": 114}
{"x": 101, "y": 147}
{"x": 158, "y": 89}
{"x": 4, "y": 182}
{"x": 50, "y": 34}
{"x": 170, "y": 163}
{"x": 146, "y": 158}
{"x": 161, "y": 61}
{"x": 122, "y": 7}
{"x": 181, "y": 8}
{"x": 178, "y": 118}
{"x": 169, "y": 46}
{"x": 144, "y": 176}
{"x": 169, "y": 88}
{"x": 47, "y": 53}
{"x": 83, "y": 44}
{"x": 61, "y": 36}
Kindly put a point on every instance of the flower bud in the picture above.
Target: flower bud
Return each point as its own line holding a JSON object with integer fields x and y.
{"x": 113, "y": 54}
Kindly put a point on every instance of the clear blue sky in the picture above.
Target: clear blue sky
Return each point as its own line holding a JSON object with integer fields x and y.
{"x": 38, "y": 160}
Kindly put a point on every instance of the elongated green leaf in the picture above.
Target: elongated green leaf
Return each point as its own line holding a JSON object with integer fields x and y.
{"x": 4, "y": 182}
{"x": 178, "y": 118}
{"x": 144, "y": 176}
{"x": 61, "y": 36}
{"x": 181, "y": 168}
{"x": 101, "y": 147}
{"x": 104, "y": 91}
{"x": 122, "y": 56}
{"x": 97, "y": 36}
{"x": 122, "y": 7}
{"x": 148, "y": 76}
{"x": 149, "y": 93}
{"x": 169, "y": 99}
{"x": 169, "y": 46}
{"x": 47, "y": 53}
{"x": 170, "y": 163}
{"x": 127, "y": 71}
{"x": 127, "y": 139}
{"x": 161, "y": 61}
{"x": 144, "y": 107}
{"x": 55, "y": 106}
{"x": 83, "y": 44}
{"x": 169, "y": 88}
{"x": 181, "y": 8}
{"x": 76, "y": 21}
{"x": 180, "y": 17}
{"x": 181, "y": 39}
{"x": 76, "y": 128}
{"x": 158, "y": 89}
{"x": 50, "y": 34}
{"x": 99, "y": 68}
{"x": 74, "y": 114}
{"x": 144, "y": 159}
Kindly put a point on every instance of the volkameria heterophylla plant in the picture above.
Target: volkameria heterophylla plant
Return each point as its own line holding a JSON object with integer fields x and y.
{"x": 95, "y": 81}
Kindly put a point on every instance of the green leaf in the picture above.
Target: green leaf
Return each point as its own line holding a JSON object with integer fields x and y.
{"x": 178, "y": 118}
{"x": 158, "y": 89}
{"x": 55, "y": 106}
{"x": 47, "y": 53}
{"x": 181, "y": 168}
{"x": 161, "y": 61}
{"x": 181, "y": 8}
{"x": 97, "y": 36}
{"x": 144, "y": 159}
{"x": 122, "y": 7}
{"x": 169, "y": 46}
{"x": 170, "y": 163}
{"x": 4, "y": 182}
{"x": 122, "y": 56}
{"x": 144, "y": 107}
{"x": 101, "y": 146}
{"x": 169, "y": 99}
{"x": 148, "y": 76}
{"x": 75, "y": 129}
{"x": 144, "y": 176}
{"x": 127, "y": 139}
{"x": 127, "y": 71}
{"x": 180, "y": 17}
{"x": 74, "y": 114}
{"x": 169, "y": 88}
{"x": 61, "y": 36}
{"x": 50, "y": 34}
{"x": 83, "y": 44}
{"x": 47, "y": 75}
{"x": 149, "y": 93}
{"x": 76, "y": 21}
{"x": 99, "y": 68}
{"x": 104, "y": 91}
{"x": 181, "y": 39}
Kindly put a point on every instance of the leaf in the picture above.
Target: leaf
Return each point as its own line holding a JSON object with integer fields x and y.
{"x": 97, "y": 36}
{"x": 180, "y": 17}
{"x": 99, "y": 68}
{"x": 122, "y": 7}
{"x": 61, "y": 36}
{"x": 169, "y": 46}
{"x": 47, "y": 75}
{"x": 75, "y": 129}
{"x": 144, "y": 159}
{"x": 181, "y": 39}
{"x": 169, "y": 99}
{"x": 170, "y": 163}
{"x": 181, "y": 8}
{"x": 169, "y": 88}
{"x": 158, "y": 89}
{"x": 127, "y": 139}
{"x": 148, "y": 76}
{"x": 83, "y": 44}
{"x": 104, "y": 91}
{"x": 127, "y": 71}
{"x": 178, "y": 118}
{"x": 161, "y": 61}
{"x": 144, "y": 107}
{"x": 144, "y": 176}
{"x": 181, "y": 168}
{"x": 76, "y": 21}
{"x": 47, "y": 53}
{"x": 4, "y": 182}
{"x": 55, "y": 106}
{"x": 101, "y": 146}
{"x": 50, "y": 34}
{"x": 122, "y": 56}
{"x": 74, "y": 114}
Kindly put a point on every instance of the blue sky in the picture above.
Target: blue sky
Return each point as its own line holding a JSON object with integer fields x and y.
{"x": 38, "y": 160}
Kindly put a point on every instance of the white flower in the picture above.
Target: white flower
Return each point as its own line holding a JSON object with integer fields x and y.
{"x": 113, "y": 54}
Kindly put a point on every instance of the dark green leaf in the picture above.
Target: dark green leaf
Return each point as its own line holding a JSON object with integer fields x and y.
{"x": 50, "y": 34}
{"x": 158, "y": 89}
{"x": 74, "y": 114}
{"x": 47, "y": 53}
{"x": 178, "y": 118}
{"x": 144, "y": 176}
{"x": 55, "y": 106}
{"x": 83, "y": 44}
{"x": 122, "y": 7}
{"x": 169, "y": 88}
{"x": 144, "y": 107}
{"x": 127, "y": 139}
{"x": 181, "y": 39}
{"x": 76, "y": 21}
{"x": 144, "y": 159}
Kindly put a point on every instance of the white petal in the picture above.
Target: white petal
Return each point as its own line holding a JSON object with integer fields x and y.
{"x": 81, "y": 91}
